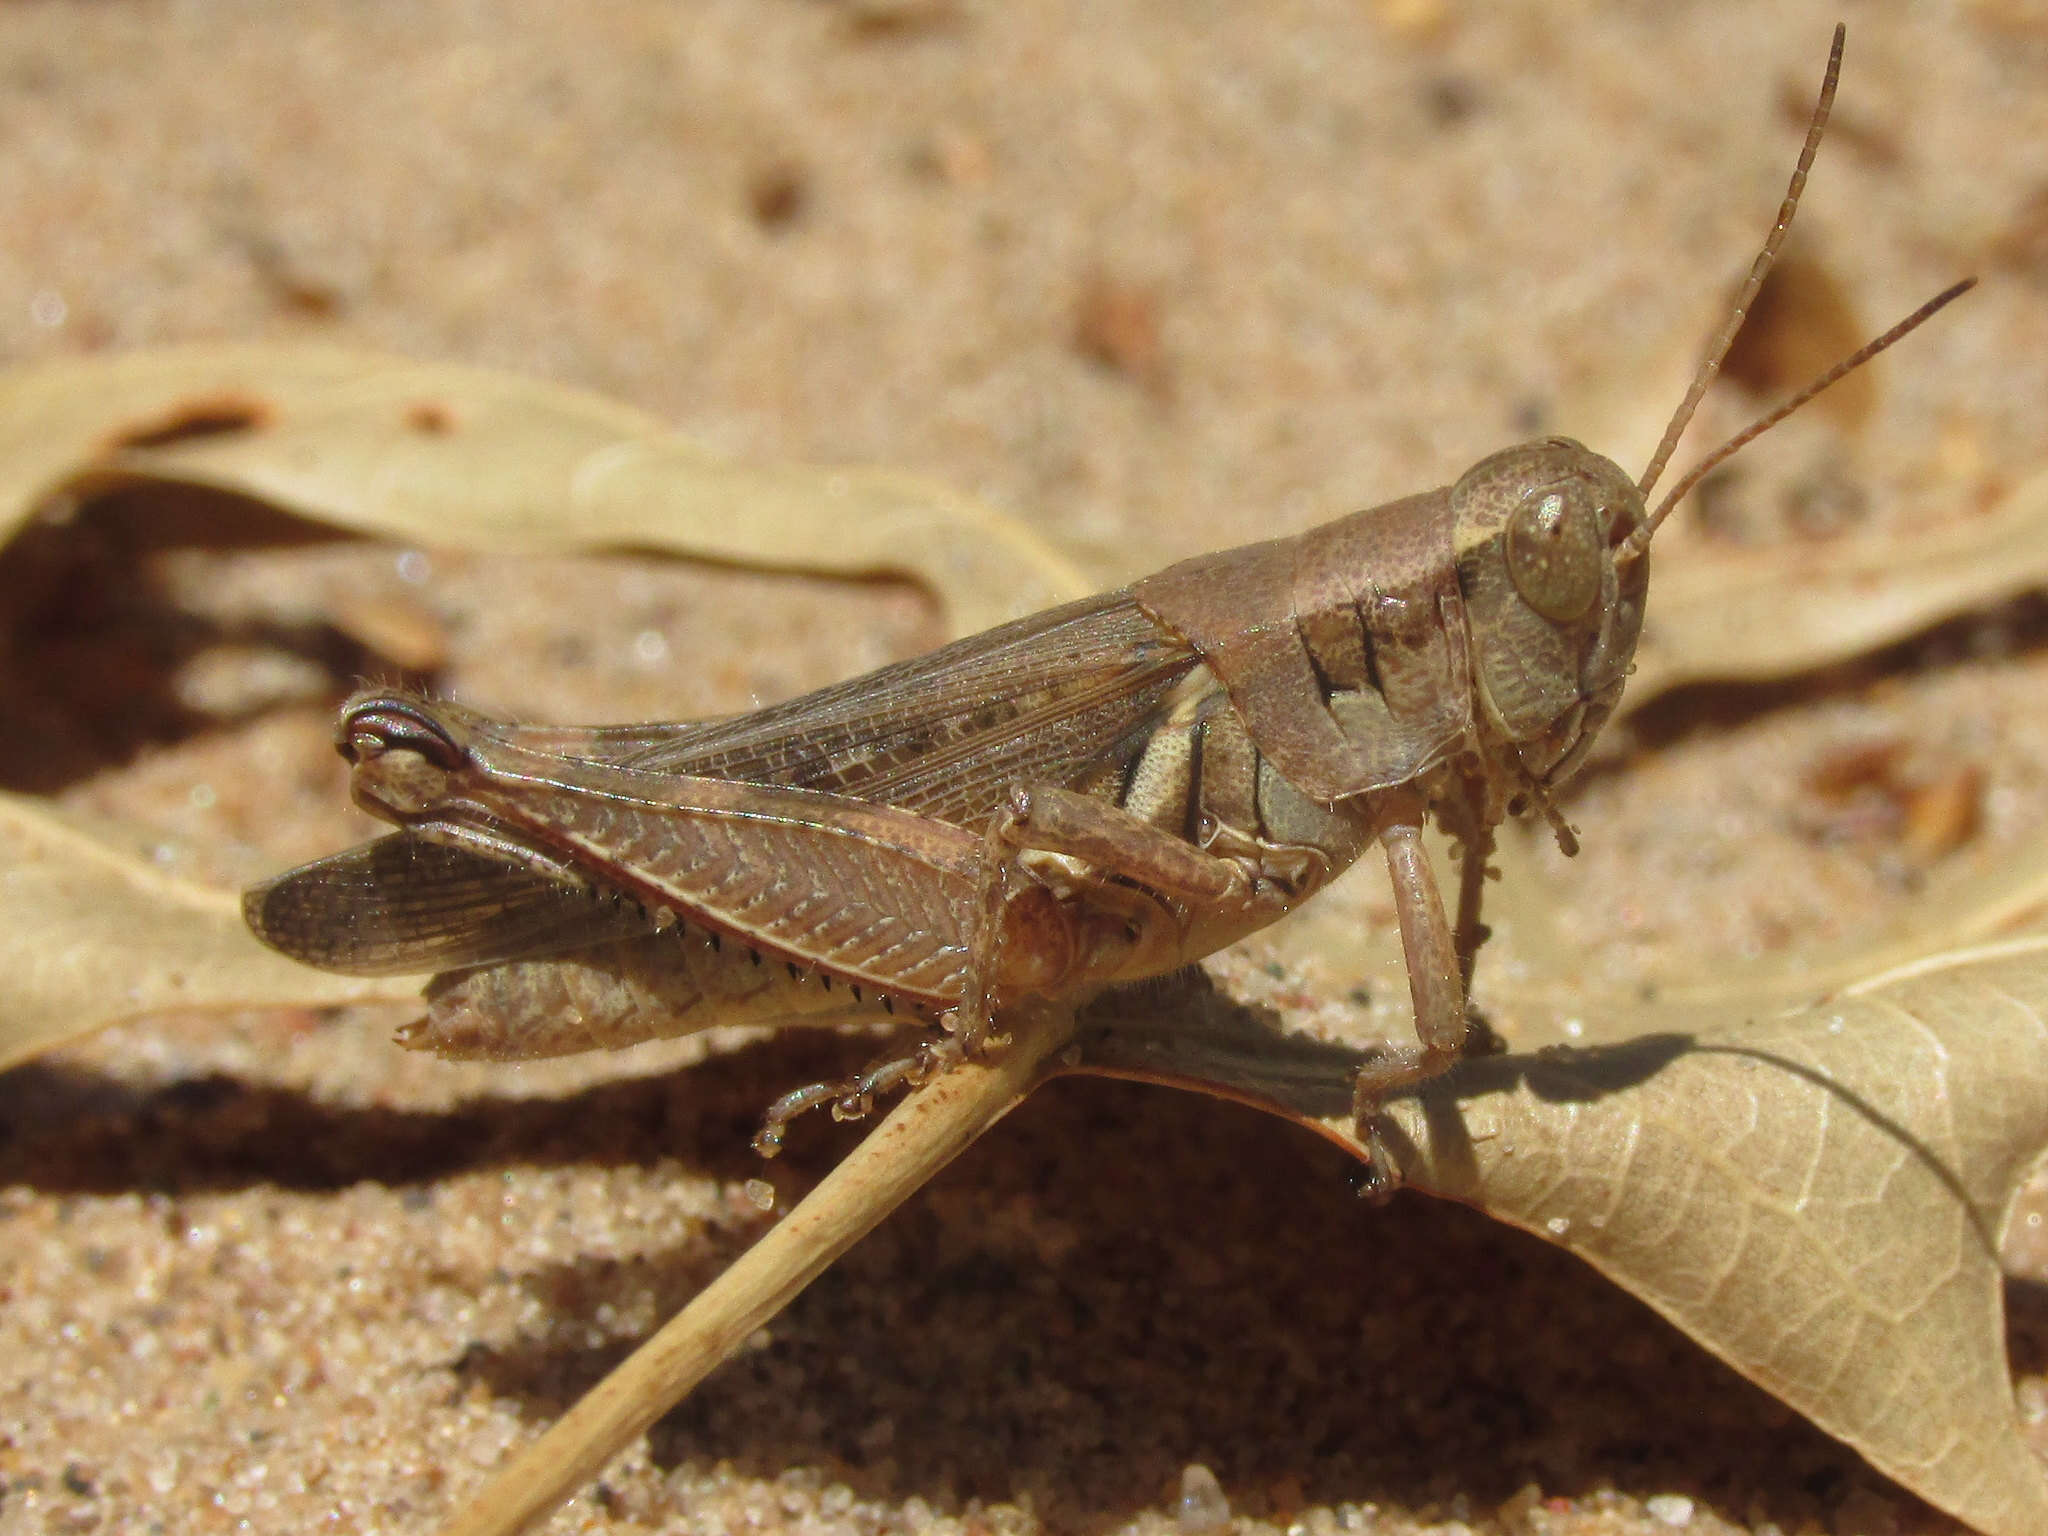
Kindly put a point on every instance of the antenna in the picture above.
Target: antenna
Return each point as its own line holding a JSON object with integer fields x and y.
{"x": 1639, "y": 541}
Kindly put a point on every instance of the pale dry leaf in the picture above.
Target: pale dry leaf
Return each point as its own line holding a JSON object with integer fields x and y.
{"x": 438, "y": 454}
{"x": 91, "y": 935}
{"x": 1756, "y": 614}
{"x": 1818, "y": 1198}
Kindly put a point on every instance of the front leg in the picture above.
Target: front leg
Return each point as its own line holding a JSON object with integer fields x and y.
{"x": 1437, "y": 976}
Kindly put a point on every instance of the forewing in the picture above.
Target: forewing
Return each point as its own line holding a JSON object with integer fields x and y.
{"x": 1044, "y": 700}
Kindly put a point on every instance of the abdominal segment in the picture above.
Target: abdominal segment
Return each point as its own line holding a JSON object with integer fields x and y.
{"x": 657, "y": 986}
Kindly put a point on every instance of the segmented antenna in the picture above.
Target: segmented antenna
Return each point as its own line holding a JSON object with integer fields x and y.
{"x": 1639, "y": 541}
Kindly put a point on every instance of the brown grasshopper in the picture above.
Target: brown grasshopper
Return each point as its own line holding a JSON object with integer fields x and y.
{"x": 1091, "y": 796}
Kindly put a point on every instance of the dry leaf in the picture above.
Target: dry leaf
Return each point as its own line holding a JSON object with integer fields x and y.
{"x": 1818, "y": 1198}
{"x": 91, "y": 935}
{"x": 466, "y": 458}
{"x": 1752, "y": 615}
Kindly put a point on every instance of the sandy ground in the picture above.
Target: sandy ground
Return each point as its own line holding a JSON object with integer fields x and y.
{"x": 1155, "y": 277}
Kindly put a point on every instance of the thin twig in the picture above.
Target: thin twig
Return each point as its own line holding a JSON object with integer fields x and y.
{"x": 926, "y": 1131}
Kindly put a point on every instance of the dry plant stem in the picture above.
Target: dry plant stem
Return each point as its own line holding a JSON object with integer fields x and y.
{"x": 924, "y": 1133}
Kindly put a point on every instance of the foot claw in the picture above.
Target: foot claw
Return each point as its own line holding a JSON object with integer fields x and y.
{"x": 1379, "y": 1180}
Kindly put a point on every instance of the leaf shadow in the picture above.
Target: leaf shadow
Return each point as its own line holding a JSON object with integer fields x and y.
{"x": 93, "y": 640}
{"x": 2026, "y": 1325}
{"x": 72, "y": 1129}
{"x": 1188, "y": 1033}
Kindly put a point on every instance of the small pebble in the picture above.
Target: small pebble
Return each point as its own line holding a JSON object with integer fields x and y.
{"x": 1670, "y": 1509}
{"x": 1204, "y": 1509}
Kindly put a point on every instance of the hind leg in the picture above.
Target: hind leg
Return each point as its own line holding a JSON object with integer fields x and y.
{"x": 1069, "y": 894}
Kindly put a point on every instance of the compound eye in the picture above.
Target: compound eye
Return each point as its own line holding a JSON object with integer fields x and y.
{"x": 1555, "y": 553}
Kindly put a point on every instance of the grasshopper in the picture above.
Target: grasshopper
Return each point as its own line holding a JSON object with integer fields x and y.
{"x": 1085, "y": 798}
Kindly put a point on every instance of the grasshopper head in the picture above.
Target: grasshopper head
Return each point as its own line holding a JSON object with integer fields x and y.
{"x": 1553, "y": 605}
